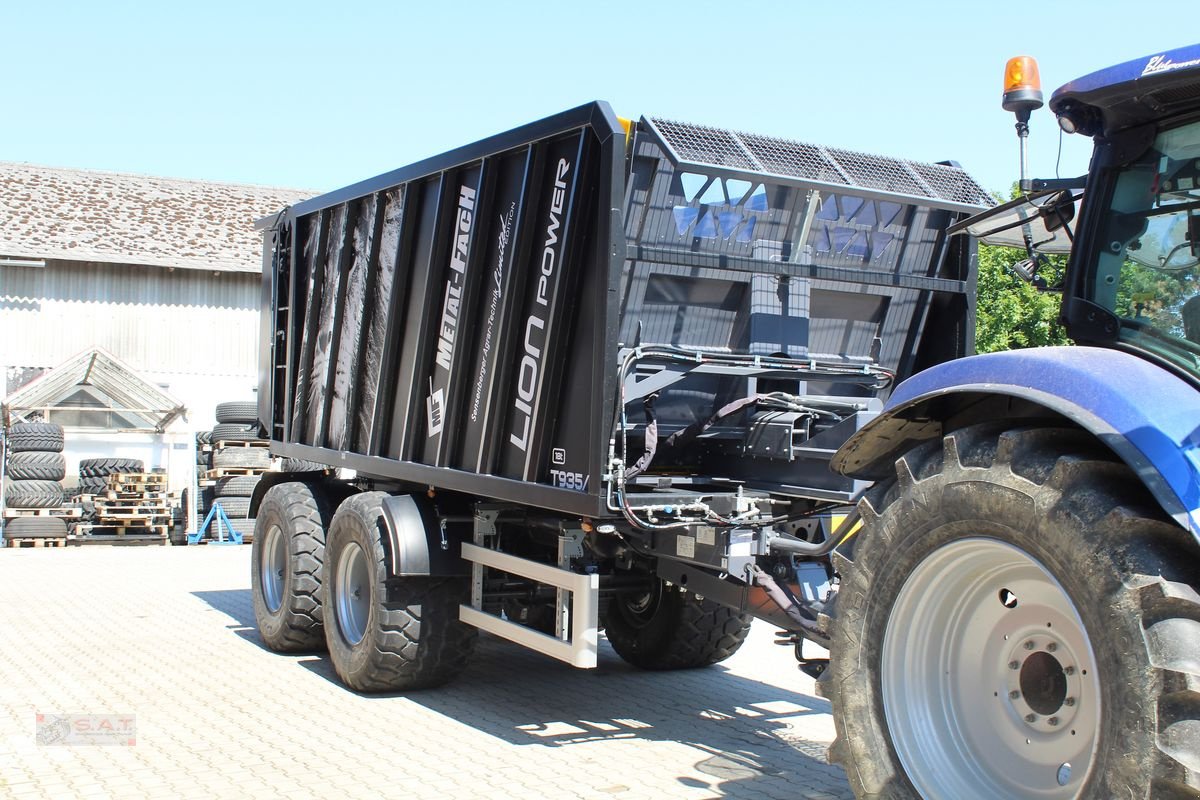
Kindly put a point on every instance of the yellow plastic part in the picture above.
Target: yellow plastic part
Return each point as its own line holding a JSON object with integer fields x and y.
{"x": 835, "y": 522}
{"x": 627, "y": 124}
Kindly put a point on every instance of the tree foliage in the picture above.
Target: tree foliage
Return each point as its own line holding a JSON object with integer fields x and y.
{"x": 1012, "y": 313}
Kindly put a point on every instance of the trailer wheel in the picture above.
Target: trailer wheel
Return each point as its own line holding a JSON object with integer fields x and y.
{"x": 664, "y": 628}
{"x": 383, "y": 635}
{"x": 287, "y": 568}
{"x": 1016, "y": 619}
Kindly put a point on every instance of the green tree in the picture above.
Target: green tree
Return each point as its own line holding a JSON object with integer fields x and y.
{"x": 1012, "y": 313}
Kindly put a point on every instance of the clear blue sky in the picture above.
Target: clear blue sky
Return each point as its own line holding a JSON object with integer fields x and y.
{"x": 317, "y": 95}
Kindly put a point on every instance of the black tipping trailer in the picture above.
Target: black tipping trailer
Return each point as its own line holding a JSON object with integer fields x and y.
{"x": 591, "y": 372}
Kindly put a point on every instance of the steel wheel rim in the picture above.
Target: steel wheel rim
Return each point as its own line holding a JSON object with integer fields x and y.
{"x": 988, "y": 678}
{"x": 274, "y": 562}
{"x": 352, "y": 594}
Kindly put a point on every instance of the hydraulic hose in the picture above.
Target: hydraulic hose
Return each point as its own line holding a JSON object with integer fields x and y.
{"x": 818, "y": 549}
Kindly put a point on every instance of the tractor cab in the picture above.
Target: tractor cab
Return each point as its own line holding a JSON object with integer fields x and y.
{"x": 1133, "y": 232}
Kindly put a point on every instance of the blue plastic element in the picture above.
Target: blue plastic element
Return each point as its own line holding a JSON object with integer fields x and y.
{"x": 813, "y": 581}
{"x": 1180, "y": 59}
{"x": 1148, "y": 416}
{"x": 223, "y": 526}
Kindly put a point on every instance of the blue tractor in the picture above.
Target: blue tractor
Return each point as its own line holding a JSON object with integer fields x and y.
{"x": 1018, "y": 616}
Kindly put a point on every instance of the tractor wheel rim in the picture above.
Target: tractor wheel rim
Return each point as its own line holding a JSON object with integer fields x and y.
{"x": 988, "y": 679}
{"x": 274, "y": 563}
{"x": 352, "y": 596}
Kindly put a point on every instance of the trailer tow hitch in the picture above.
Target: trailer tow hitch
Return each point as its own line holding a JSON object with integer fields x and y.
{"x": 812, "y": 667}
{"x": 802, "y": 614}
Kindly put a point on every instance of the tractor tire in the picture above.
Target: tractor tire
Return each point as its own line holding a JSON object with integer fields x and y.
{"x": 33, "y": 494}
{"x": 25, "y": 437}
{"x": 250, "y": 457}
{"x": 1017, "y": 618}
{"x": 103, "y": 467}
{"x": 387, "y": 635}
{"x": 92, "y": 486}
{"x": 231, "y": 432}
{"x": 37, "y": 465}
{"x": 237, "y": 486}
{"x": 287, "y": 566}
{"x": 664, "y": 628}
{"x": 35, "y": 528}
{"x": 239, "y": 412}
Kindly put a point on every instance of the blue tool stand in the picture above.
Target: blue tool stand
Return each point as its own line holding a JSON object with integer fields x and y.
{"x": 223, "y": 525}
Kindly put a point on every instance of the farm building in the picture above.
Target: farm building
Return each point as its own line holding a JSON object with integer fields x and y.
{"x": 129, "y": 305}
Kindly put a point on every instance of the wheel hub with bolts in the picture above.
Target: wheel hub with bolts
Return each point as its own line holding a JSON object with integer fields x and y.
{"x": 988, "y": 681}
{"x": 274, "y": 562}
{"x": 353, "y": 604}
{"x": 1044, "y": 685}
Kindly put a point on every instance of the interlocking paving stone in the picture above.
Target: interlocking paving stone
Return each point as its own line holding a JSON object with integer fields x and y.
{"x": 168, "y": 634}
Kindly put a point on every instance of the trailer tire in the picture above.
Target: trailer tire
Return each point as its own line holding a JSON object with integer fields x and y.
{"x": 238, "y": 411}
{"x": 301, "y": 465}
{"x": 237, "y": 486}
{"x": 34, "y": 494}
{"x": 25, "y": 437}
{"x": 1016, "y": 618}
{"x": 235, "y": 507}
{"x": 35, "y": 528}
{"x": 242, "y": 457}
{"x": 668, "y": 629}
{"x": 37, "y": 465}
{"x": 387, "y": 636}
{"x": 287, "y": 568}
{"x": 235, "y": 432}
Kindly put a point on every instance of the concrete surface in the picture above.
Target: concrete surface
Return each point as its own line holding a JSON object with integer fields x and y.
{"x": 166, "y": 634}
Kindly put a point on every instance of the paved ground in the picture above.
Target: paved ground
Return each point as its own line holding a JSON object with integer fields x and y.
{"x": 167, "y": 635}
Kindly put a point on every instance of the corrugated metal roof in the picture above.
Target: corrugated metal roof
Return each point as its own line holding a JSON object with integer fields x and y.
{"x": 102, "y": 370}
{"x": 86, "y": 215}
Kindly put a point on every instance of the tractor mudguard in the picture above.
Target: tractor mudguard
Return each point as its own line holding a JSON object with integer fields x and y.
{"x": 1148, "y": 416}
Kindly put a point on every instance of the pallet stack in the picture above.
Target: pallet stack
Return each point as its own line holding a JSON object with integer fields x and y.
{"x": 135, "y": 507}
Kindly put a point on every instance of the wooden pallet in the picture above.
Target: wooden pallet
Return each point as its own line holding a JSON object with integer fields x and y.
{"x": 137, "y": 482}
{"x": 38, "y": 541}
{"x": 229, "y": 472}
{"x": 121, "y": 528}
{"x": 123, "y": 505}
{"x": 241, "y": 443}
{"x": 120, "y": 539}
{"x": 112, "y": 494}
{"x": 68, "y": 513}
{"x": 125, "y": 520}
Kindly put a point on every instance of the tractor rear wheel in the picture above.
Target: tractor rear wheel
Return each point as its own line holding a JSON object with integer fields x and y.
{"x": 1017, "y": 618}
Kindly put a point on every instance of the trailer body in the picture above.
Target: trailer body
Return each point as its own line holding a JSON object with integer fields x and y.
{"x": 462, "y": 323}
{"x": 586, "y": 374}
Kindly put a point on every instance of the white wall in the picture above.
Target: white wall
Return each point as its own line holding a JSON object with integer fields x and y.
{"x": 193, "y": 332}
{"x": 174, "y": 451}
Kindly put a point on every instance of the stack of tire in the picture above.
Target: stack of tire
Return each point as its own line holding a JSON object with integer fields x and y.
{"x": 94, "y": 472}
{"x": 35, "y": 468}
{"x": 237, "y": 421}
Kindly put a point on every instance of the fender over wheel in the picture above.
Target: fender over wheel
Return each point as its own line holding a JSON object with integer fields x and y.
{"x": 387, "y": 635}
